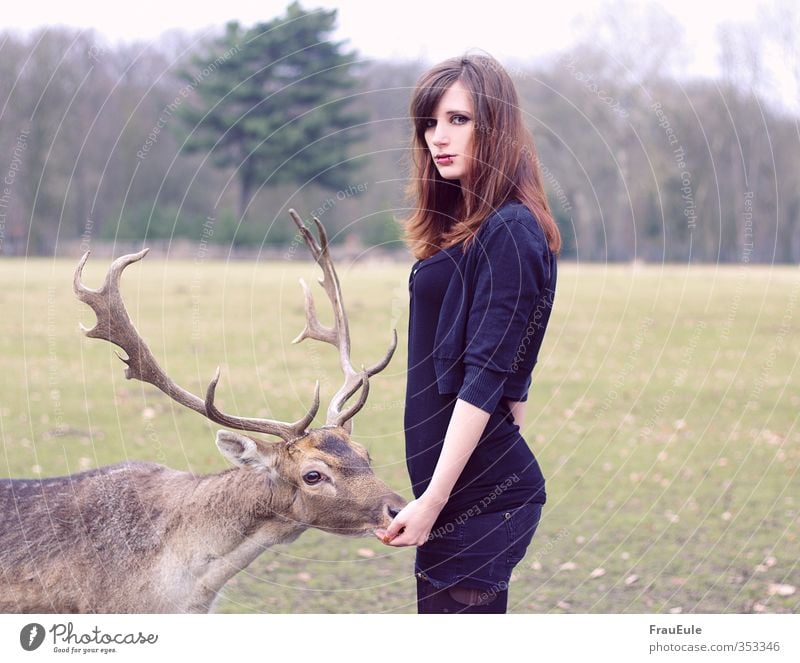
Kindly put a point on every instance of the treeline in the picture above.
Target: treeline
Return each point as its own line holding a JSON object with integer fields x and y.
{"x": 95, "y": 146}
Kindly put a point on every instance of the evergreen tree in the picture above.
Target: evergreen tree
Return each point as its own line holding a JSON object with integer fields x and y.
{"x": 273, "y": 103}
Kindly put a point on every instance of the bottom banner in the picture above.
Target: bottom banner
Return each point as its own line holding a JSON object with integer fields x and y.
{"x": 389, "y": 638}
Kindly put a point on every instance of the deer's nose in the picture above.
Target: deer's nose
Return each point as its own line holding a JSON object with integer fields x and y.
{"x": 393, "y": 511}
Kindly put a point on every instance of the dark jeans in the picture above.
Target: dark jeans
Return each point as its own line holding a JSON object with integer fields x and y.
{"x": 441, "y": 601}
{"x": 466, "y": 567}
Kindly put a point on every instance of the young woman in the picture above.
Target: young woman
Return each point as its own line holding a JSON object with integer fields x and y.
{"x": 481, "y": 294}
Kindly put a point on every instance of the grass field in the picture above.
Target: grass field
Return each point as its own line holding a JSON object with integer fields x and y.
{"x": 664, "y": 414}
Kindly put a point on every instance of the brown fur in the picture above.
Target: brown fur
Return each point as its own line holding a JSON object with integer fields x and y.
{"x": 141, "y": 537}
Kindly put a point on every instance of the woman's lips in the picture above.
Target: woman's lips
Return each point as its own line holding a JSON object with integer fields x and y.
{"x": 444, "y": 159}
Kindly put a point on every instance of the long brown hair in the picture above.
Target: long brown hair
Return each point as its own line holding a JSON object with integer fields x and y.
{"x": 504, "y": 163}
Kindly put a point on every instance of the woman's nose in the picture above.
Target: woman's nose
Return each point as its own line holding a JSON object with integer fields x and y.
{"x": 440, "y": 136}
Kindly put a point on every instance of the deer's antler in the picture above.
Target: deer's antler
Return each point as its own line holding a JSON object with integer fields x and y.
{"x": 339, "y": 334}
{"x": 114, "y": 325}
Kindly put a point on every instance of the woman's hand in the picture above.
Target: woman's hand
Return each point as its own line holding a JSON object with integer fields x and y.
{"x": 413, "y": 524}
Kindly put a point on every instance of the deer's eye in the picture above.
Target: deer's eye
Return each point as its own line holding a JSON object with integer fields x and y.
{"x": 312, "y": 477}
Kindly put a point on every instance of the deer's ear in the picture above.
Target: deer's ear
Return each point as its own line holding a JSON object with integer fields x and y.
{"x": 244, "y": 452}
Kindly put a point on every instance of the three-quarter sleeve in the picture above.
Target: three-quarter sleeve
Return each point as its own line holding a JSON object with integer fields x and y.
{"x": 510, "y": 277}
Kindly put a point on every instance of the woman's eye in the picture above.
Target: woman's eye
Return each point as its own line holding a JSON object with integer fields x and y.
{"x": 430, "y": 122}
{"x": 312, "y": 477}
{"x": 459, "y": 119}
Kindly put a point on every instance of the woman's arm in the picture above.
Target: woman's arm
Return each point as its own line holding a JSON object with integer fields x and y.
{"x": 466, "y": 426}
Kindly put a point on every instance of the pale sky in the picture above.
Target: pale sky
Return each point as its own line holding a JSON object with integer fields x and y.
{"x": 510, "y": 30}
{"x": 411, "y": 28}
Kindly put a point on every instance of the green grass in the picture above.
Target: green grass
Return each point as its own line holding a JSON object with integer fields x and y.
{"x": 664, "y": 414}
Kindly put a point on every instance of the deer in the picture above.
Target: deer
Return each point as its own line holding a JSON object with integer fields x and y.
{"x": 139, "y": 537}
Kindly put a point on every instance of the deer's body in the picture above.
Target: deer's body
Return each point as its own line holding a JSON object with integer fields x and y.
{"x": 140, "y": 537}
{"x": 134, "y": 537}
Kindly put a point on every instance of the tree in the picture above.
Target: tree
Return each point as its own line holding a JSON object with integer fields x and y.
{"x": 274, "y": 103}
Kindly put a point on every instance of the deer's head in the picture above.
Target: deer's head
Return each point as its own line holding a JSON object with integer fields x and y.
{"x": 329, "y": 475}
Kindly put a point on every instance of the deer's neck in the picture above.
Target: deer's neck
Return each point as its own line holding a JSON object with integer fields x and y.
{"x": 228, "y": 520}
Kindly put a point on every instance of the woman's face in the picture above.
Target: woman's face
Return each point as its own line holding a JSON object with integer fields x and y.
{"x": 450, "y": 131}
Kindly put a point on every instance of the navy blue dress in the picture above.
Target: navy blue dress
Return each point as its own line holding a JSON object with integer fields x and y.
{"x": 495, "y": 505}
